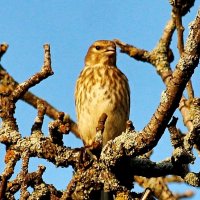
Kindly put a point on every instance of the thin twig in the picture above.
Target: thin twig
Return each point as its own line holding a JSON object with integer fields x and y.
{"x": 180, "y": 29}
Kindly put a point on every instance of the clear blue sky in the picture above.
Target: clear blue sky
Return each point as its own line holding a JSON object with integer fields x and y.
{"x": 70, "y": 27}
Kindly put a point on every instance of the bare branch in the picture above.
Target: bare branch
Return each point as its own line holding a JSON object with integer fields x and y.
{"x": 46, "y": 71}
{"x": 3, "y": 49}
{"x": 158, "y": 187}
{"x": 8, "y": 84}
{"x": 184, "y": 70}
{"x": 132, "y": 143}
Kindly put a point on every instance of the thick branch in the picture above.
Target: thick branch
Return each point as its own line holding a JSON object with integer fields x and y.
{"x": 172, "y": 95}
{"x": 132, "y": 143}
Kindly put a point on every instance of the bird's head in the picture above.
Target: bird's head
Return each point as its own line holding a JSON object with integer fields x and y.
{"x": 101, "y": 52}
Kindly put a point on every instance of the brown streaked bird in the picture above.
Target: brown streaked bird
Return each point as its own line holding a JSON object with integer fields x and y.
{"x": 101, "y": 88}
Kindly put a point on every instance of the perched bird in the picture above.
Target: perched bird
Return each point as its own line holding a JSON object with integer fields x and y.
{"x": 101, "y": 88}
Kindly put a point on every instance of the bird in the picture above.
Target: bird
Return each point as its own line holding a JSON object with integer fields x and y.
{"x": 101, "y": 88}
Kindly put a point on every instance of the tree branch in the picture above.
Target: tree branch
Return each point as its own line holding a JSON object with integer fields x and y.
{"x": 134, "y": 144}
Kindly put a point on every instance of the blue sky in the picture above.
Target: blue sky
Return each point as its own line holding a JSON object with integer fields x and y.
{"x": 70, "y": 27}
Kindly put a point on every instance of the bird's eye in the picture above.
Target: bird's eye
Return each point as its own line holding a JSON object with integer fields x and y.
{"x": 98, "y": 47}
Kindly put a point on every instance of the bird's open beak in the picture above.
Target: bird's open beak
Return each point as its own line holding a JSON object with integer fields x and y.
{"x": 111, "y": 50}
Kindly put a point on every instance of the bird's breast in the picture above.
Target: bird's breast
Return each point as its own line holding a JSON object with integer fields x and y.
{"x": 101, "y": 90}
